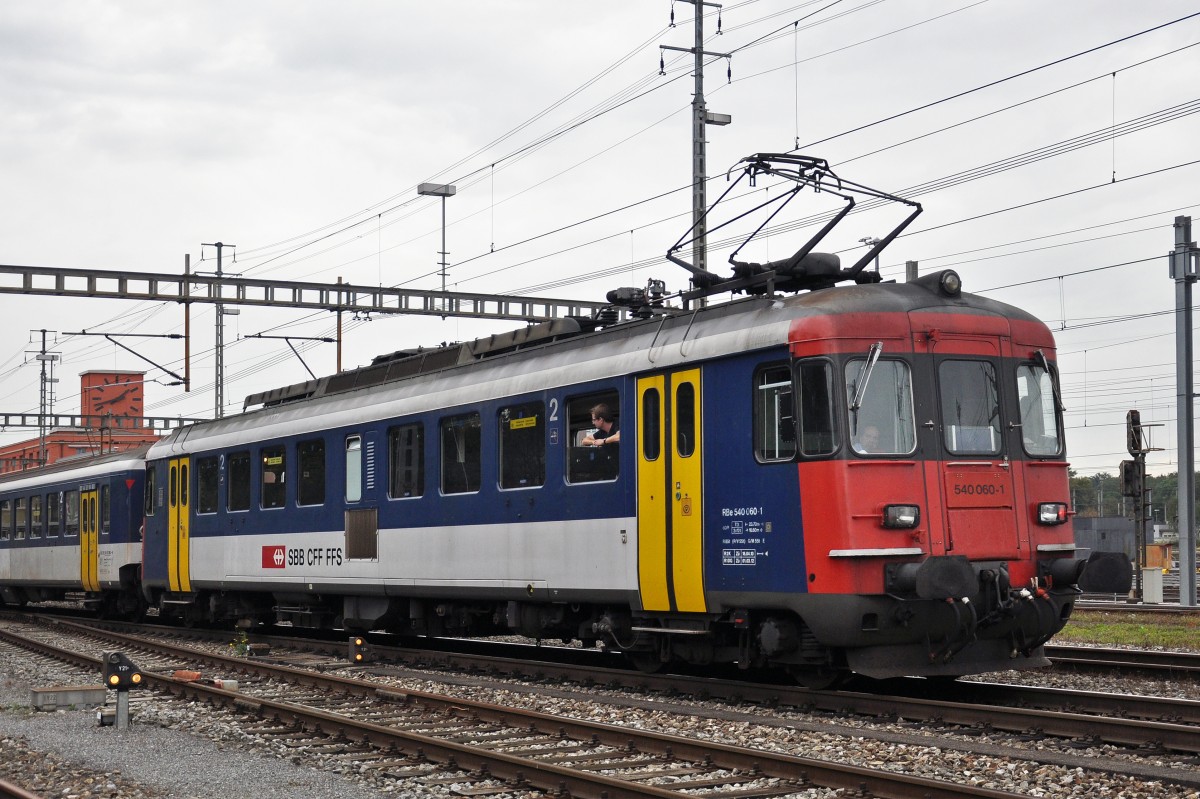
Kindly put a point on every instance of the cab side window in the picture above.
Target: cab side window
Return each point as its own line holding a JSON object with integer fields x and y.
{"x": 774, "y": 416}
{"x": 815, "y": 409}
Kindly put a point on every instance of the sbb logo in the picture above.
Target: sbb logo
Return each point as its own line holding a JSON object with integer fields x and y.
{"x": 274, "y": 557}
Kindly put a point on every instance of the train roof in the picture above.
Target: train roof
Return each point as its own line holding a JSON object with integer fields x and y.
{"x": 562, "y": 352}
{"x": 80, "y": 468}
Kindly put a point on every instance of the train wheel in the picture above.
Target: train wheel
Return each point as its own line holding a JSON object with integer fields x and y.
{"x": 817, "y": 678}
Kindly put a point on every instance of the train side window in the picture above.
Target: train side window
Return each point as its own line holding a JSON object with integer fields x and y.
{"x": 53, "y": 514}
{"x": 36, "y": 520}
{"x": 587, "y": 463}
{"x": 71, "y": 512}
{"x": 1039, "y": 417}
{"x": 20, "y": 518}
{"x": 310, "y": 488}
{"x": 354, "y": 468}
{"x": 814, "y": 379}
{"x": 522, "y": 437}
{"x": 685, "y": 419}
{"x": 274, "y": 473}
{"x": 406, "y": 461}
{"x": 105, "y": 509}
{"x": 461, "y": 442}
{"x": 237, "y": 487}
{"x": 151, "y": 484}
{"x": 774, "y": 419}
{"x": 5, "y": 520}
{"x": 883, "y": 423}
{"x": 970, "y": 407}
{"x": 651, "y": 424}
{"x": 207, "y": 477}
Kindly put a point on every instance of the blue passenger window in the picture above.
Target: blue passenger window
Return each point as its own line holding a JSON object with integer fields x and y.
{"x": 406, "y": 461}
{"x": 522, "y": 445}
{"x": 353, "y": 468}
{"x": 310, "y": 489}
{"x": 105, "y": 509}
{"x": 53, "y": 514}
{"x": 237, "y": 487}
{"x": 461, "y": 443}
{"x": 274, "y": 472}
{"x": 35, "y": 516}
{"x": 21, "y": 518}
{"x": 595, "y": 424}
{"x": 71, "y": 512}
{"x": 207, "y": 477}
{"x": 151, "y": 488}
{"x": 5, "y": 520}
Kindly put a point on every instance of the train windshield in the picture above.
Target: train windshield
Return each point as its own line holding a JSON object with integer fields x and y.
{"x": 1039, "y": 420}
{"x": 970, "y": 407}
{"x": 882, "y": 422}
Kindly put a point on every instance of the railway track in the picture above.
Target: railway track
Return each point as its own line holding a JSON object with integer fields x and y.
{"x": 419, "y": 735}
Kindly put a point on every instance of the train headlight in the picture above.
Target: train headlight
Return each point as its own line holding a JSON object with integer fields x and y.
{"x": 901, "y": 517}
{"x": 1052, "y": 513}
{"x": 951, "y": 283}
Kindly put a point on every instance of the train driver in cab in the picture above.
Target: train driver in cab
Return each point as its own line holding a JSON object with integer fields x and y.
{"x": 607, "y": 429}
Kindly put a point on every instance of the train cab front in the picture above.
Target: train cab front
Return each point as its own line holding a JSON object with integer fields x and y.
{"x": 936, "y": 477}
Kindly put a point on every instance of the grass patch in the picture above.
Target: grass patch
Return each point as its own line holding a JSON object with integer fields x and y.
{"x": 1142, "y": 630}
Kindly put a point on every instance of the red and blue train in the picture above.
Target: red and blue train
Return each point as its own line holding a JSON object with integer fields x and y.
{"x": 864, "y": 478}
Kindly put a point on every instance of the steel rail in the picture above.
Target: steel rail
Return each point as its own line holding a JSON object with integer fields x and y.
{"x": 511, "y": 768}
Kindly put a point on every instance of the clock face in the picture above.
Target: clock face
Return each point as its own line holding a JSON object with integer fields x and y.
{"x": 115, "y": 397}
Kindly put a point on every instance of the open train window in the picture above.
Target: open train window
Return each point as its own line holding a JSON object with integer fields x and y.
{"x": 406, "y": 461}
{"x": 237, "y": 485}
{"x": 815, "y": 408}
{"x": 207, "y": 477}
{"x": 274, "y": 475}
{"x": 461, "y": 441}
{"x": 310, "y": 488}
{"x": 522, "y": 445}
{"x": 592, "y": 419}
{"x": 774, "y": 417}
{"x": 1039, "y": 416}
{"x": 5, "y": 520}
{"x": 53, "y": 514}
{"x": 35, "y": 516}
{"x": 880, "y": 407}
{"x": 970, "y": 407}
{"x": 71, "y": 513}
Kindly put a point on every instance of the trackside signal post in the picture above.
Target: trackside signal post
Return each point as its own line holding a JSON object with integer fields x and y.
{"x": 1133, "y": 484}
{"x": 1183, "y": 272}
{"x": 121, "y": 675}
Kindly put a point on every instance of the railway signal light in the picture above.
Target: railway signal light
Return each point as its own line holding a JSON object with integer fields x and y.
{"x": 119, "y": 672}
{"x": 360, "y": 650}
{"x": 1131, "y": 483}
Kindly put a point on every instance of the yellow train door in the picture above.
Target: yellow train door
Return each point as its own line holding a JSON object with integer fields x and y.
{"x": 670, "y": 508}
{"x": 89, "y": 538}
{"x": 179, "y": 573}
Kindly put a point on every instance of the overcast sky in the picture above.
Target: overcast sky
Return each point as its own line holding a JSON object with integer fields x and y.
{"x": 298, "y": 131}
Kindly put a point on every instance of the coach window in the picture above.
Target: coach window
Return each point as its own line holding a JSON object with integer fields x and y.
{"x": 35, "y": 516}
{"x": 589, "y": 462}
{"x": 71, "y": 512}
{"x": 970, "y": 407}
{"x": 21, "y": 518}
{"x": 461, "y": 441}
{"x": 880, "y": 407}
{"x": 354, "y": 468}
{"x": 814, "y": 379}
{"x": 1039, "y": 420}
{"x": 310, "y": 489}
{"x": 237, "y": 481}
{"x": 274, "y": 472}
{"x": 522, "y": 445}
{"x": 774, "y": 419}
{"x": 207, "y": 477}
{"x": 406, "y": 461}
{"x": 5, "y": 520}
{"x": 53, "y": 514}
{"x": 105, "y": 509}
{"x": 148, "y": 497}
